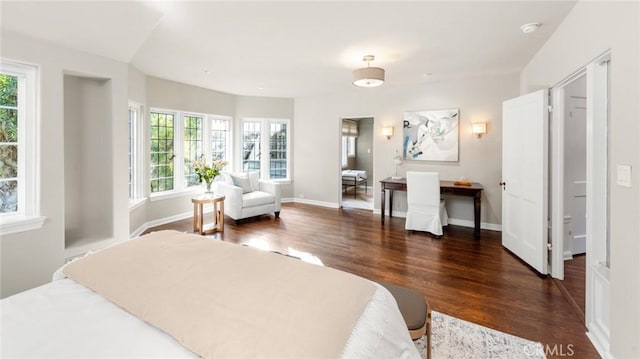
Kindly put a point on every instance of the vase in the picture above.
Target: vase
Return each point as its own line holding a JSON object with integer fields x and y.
{"x": 208, "y": 186}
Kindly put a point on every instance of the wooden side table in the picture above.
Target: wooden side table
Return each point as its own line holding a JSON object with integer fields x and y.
{"x": 217, "y": 201}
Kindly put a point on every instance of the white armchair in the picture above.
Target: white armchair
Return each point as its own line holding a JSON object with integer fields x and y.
{"x": 425, "y": 209}
{"x": 247, "y": 196}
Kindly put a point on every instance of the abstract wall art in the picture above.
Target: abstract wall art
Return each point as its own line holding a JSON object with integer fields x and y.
{"x": 431, "y": 135}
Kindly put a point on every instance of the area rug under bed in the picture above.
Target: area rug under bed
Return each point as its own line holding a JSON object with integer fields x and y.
{"x": 456, "y": 338}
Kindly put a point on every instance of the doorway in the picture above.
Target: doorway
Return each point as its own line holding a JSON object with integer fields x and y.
{"x": 575, "y": 201}
{"x": 357, "y": 163}
{"x": 574, "y": 174}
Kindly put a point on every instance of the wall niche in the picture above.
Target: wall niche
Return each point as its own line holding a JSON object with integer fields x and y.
{"x": 88, "y": 162}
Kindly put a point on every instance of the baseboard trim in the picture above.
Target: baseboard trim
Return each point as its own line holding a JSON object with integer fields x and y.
{"x": 177, "y": 217}
{"x": 454, "y": 221}
{"x": 316, "y": 203}
{"x": 165, "y": 220}
{"x": 567, "y": 255}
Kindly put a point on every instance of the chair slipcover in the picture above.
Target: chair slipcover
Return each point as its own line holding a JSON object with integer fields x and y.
{"x": 262, "y": 197}
{"x": 425, "y": 209}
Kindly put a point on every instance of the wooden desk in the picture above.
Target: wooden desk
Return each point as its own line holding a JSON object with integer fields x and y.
{"x": 446, "y": 187}
{"x": 217, "y": 201}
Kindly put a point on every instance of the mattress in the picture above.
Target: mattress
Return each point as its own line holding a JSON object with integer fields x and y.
{"x": 354, "y": 174}
{"x": 66, "y": 319}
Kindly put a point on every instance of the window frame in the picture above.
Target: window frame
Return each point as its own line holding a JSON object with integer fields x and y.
{"x": 138, "y": 151}
{"x": 265, "y": 136}
{"x": 208, "y": 145}
{"x": 27, "y": 217}
{"x": 179, "y": 178}
{"x": 203, "y": 119}
{"x": 178, "y": 119}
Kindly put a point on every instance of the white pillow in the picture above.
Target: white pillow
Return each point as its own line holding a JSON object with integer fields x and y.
{"x": 241, "y": 180}
{"x": 254, "y": 178}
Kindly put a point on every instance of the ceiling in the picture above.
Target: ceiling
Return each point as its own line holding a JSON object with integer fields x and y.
{"x": 295, "y": 49}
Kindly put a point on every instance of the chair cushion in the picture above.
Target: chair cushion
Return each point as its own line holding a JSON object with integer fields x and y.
{"x": 412, "y": 305}
{"x": 257, "y": 198}
{"x": 241, "y": 180}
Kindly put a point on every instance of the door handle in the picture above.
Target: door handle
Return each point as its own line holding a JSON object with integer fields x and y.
{"x": 503, "y": 185}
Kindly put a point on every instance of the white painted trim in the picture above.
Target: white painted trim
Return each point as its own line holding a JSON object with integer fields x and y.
{"x": 556, "y": 212}
{"x": 136, "y": 203}
{"x": 470, "y": 224}
{"x": 598, "y": 329}
{"x": 316, "y": 203}
{"x": 165, "y": 220}
{"x": 567, "y": 255}
{"x": 19, "y": 223}
{"x": 287, "y": 200}
{"x": 598, "y": 289}
{"x": 159, "y": 196}
{"x": 454, "y": 221}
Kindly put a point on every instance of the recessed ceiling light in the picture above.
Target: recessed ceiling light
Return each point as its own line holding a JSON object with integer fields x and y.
{"x": 530, "y": 27}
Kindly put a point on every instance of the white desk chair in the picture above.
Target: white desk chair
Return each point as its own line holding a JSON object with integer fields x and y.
{"x": 425, "y": 209}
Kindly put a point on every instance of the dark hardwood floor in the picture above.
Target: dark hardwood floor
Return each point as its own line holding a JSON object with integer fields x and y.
{"x": 478, "y": 281}
{"x": 574, "y": 281}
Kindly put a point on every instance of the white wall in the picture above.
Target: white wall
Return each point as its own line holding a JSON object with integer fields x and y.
{"x": 589, "y": 30}
{"x": 29, "y": 258}
{"x": 317, "y": 138}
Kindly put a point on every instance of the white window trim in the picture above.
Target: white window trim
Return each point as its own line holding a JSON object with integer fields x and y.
{"x": 265, "y": 135}
{"x": 138, "y": 161}
{"x": 28, "y": 215}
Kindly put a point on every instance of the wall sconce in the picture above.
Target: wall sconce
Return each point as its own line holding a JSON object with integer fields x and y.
{"x": 388, "y": 132}
{"x": 479, "y": 128}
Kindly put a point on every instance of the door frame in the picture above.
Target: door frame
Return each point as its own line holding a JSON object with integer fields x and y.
{"x": 373, "y": 149}
{"x": 597, "y": 286}
{"x": 556, "y": 163}
{"x": 595, "y": 164}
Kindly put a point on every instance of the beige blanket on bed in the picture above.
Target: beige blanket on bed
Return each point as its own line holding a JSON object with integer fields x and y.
{"x": 223, "y": 300}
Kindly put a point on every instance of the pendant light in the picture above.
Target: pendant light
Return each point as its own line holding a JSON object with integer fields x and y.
{"x": 368, "y": 76}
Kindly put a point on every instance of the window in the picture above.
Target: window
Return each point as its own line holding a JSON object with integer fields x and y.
{"x": 162, "y": 151}
{"x": 192, "y": 148}
{"x": 177, "y": 138}
{"x": 272, "y": 134}
{"x": 221, "y": 139}
{"x": 349, "y": 135}
{"x": 278, "y": 150}
{"x": 9, "y": 143}
{"x": 251, "y": 132}
{"x": 19, "y": 173}
{"x": 134, "y": 152}
{"x": 348, "y": 149}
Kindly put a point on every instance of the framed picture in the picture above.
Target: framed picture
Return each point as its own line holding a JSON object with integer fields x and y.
{"x": 431, "y": 135}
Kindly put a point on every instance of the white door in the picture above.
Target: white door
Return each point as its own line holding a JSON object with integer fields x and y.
{"x": 524, "y": 177}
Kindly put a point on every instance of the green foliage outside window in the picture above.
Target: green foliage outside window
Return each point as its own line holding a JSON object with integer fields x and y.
{"x": 9, "y": 148}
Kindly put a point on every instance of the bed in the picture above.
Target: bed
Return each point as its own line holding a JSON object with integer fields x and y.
{"x": 355, "y": 179}
{"x": 156, "y": 296}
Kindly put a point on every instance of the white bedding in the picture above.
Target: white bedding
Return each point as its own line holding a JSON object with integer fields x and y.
{"x": 354, "y": 173}
{"x": 64, "y": 319}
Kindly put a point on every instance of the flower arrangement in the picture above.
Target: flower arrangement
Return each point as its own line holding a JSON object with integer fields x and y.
{"x": 205, "y": 172}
